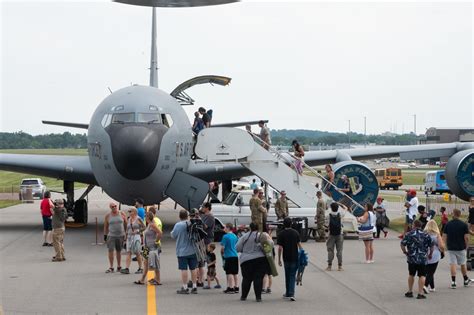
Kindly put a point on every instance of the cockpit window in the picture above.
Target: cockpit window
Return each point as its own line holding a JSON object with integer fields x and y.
{"x": 123, "y": 118}
{"x": 148, "y": 118}
{"x": 167, "y": 120}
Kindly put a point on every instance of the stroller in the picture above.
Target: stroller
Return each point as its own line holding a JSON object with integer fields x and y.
{"x": 302, "y": 263}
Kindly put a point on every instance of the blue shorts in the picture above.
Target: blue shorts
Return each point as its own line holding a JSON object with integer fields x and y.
{"x": 187, "y": 261}
{"x": 47, "y": 223}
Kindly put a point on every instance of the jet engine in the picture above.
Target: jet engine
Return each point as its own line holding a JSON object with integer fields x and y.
{"x": 460, "y": 174}
{"x": 364, "y": 185}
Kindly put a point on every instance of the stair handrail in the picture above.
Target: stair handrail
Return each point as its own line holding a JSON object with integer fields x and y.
{"x": 280, "y": 155}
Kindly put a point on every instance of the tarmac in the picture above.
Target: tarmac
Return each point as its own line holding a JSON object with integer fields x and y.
{"x": 32, "y": 284}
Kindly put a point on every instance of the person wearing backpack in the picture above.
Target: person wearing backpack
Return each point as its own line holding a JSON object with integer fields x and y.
{"x": 336, "y": 237}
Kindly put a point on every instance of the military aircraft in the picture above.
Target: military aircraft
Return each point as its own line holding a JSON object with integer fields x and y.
{"x": 140, "y": 145}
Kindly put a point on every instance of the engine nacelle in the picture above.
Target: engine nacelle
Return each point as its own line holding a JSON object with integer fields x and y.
{"x": 367, "y": 188}
{"x": 460, "y": 174}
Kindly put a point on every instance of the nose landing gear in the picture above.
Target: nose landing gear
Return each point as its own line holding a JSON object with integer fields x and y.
{"x": 77, "y": 209}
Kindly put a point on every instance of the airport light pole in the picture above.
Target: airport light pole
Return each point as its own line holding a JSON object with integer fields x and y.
{"x": 365, "y": 131}
{"x": 349, "y": 133}
{"x": 414, "y": 124}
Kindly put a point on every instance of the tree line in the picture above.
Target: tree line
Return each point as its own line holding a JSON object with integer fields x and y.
{"x": 23, "y": 140}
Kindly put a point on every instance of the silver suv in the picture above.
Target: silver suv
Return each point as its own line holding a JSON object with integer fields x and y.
{"x": 36, "y": 185}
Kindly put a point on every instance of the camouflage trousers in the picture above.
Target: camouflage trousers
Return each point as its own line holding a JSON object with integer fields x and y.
{"x": 321, "y": 231}
{"x": 58, "y": 243}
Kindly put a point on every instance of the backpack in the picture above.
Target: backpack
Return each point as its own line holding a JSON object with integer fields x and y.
{"x": 335, "y": 224}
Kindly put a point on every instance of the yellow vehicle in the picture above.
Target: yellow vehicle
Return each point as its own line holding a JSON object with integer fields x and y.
{"x": 389, "y": 177}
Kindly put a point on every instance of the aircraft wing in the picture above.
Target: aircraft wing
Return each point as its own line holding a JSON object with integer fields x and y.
{"x": 64, "y": 167}
{"x": 238, "y": 123}
{"x": 232, "y": 170}
{"x": 406, "y": 152}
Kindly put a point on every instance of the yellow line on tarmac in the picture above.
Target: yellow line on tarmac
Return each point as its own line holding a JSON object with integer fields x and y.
{"x": 151, "y": 295}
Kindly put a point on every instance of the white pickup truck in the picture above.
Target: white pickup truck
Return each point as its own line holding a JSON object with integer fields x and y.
{"x": 235, "y": 209}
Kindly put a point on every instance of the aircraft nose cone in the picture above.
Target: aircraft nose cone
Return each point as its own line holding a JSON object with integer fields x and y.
{"x": 136, "y": 149}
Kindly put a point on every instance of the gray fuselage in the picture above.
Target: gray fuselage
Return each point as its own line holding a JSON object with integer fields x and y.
{"x": 137, "y": 138}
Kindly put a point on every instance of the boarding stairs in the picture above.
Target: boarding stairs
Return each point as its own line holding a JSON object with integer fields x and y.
{"x": 222, "y": 144}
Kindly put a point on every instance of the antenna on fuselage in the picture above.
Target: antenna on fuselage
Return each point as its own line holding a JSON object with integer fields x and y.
{"x": 168, "y": 4}
{"x": 154, "y": 53}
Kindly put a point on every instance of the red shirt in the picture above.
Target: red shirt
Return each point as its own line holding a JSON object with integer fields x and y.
{"x": 444, "y": 218}
{"x": 45, "y": 207}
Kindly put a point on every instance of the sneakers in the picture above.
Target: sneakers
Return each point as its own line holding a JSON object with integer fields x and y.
{"x": 340, "y": 268}
{"x": 182, "y": 291}
{"x": 425, "y": 290}
{"x": 218, "y": 286}
{"x": 45, "y": 244}
{"x": 194, "y": 291}
{"x": 292, "y": 298}
{"x": 328, "y": 268}
{"x": 432, "y": 290}
{"x": 409, "y": 294}
{"x": 268, "y": 291}
{"x": 206, "y": 287}
{"x": 139, "y": 271}
{"x": 125, "y": 271}
{"x": 453, "y": 285}
{"x": 467, "y": 282}
{"x": 236, "y": 289}
{"x": 229, "y": 291}
{"x": 420, "y": 297}
{"x": 200, "y": 284}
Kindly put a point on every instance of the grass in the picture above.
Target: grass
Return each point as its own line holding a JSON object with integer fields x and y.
{"x": 8, "y": 203}
{"x": 413, "y": 178}
{"x": 10, "y": 181}
{"x": 398, "y": 224}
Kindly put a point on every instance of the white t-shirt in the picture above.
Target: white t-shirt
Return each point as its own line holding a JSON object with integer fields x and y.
{"x": 413, "y": 210}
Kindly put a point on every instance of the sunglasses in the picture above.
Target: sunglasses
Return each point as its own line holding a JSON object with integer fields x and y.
{"x": 113, "y": 207}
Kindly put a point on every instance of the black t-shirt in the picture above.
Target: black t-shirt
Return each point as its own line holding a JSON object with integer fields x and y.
{"x": 211, "y": 257}
{"x": 455, "y": 230}
{"x": 289, "y": 239}
{"x": 347, "y": 185}
{"x": 206, "y": 119}
{"x": 471, "y": 216}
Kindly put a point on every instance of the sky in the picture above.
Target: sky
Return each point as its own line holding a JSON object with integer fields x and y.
{"x": 302, "y": 65}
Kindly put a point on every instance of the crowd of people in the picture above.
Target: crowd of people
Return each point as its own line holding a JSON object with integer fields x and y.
{"x": 139, "y": 232}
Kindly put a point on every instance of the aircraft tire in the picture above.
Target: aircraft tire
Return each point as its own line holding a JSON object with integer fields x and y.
{"x": 81, "y": 211}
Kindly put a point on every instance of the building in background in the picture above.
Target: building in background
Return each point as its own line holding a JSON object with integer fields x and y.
{"x": 446, "y": 135}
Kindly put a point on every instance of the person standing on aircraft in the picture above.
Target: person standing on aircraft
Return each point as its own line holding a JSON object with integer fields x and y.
{"x": 46, "y": 207}
{"x": 265, "y": 135}
{"x": 281, "y": 206}
{"x": 320, "y": 217}
{"x": 59, "y": 217}
{"x": 456, "y": 238}
{"x": 140, "y": 208}
{"x": 257, "y": 209}
{"x": 299, "y": 156}
{"x": 418, "y": 247}
{"x": 198, "y": 124}
{"x": 115, "y": 224}
{"x": 135, "y": 227}
{"x": 209, "y": 113}
{"x": 150, "y": 251}
{"x": 365, "y": 233}
{"x": 205, "y": 117}
{"x": 329, "y": 180}
{"x": 185, "y": 252}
